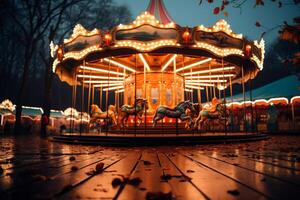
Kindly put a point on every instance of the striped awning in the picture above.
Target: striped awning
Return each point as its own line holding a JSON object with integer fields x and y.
{"x": 158, "y": 9}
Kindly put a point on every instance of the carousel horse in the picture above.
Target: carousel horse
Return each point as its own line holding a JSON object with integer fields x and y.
{"x": 97, "y": 114}
{"x": 206, "y": 115}
{"x": 138, "y": 110}
{"x": 188, "y": 112}
{"x": 178, "y": 112}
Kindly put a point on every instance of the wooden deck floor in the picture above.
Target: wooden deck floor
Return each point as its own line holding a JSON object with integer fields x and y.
{"x": 38, "y": 169}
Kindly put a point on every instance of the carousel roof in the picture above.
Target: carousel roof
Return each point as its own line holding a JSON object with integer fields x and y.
{"x": 205, "y": 56}
{"x": 158, "y": 9}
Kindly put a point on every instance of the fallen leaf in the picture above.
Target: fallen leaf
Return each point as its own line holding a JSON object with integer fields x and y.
{"x": 135, "y": 181}
{"x": 74, "y": 168}
{"x": 159, "y": 196}
{"x": 99, "y": 167}
{"x": 72, "y": 158}
{"x": 216, "y": 10}
{"x": 233, "y": 192}
{"x": 116, "y": 182}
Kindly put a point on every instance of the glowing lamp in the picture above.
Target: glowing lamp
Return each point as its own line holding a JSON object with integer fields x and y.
{"x": 60, "y": 53}
{"x": 186, "y": 36}
{"x": 107, "y": 38}
{"x": 248, "y": 50}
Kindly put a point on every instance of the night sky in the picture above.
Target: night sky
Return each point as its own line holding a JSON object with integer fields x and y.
{"x": 190, "y": 13}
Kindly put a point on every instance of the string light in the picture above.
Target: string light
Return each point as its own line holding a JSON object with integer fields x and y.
{"x": 211, "y": 70}
{"x": 101, "y": 70}
{"x": 80, "y": 30}
{"x": 188, "y": 90}
{"x": 100, "y": 77}
{"x": 119, "y": 91}
{"x": 145, "y": 46}
{"x": 211, "y": 76}
{"x": 223, "y": 26}
{"x": 194, "y": 87}
{"x": 108, "y": 85}
{"x": 119, "y": 64}
{"x": 200, "y": 84}
{"x": 219, "y": 51}
{"x": 294, "y": 99}
{"x": 144, "y": 61}
{"x": 168, "y": 62}
{"x": 53, "y": 49}
{"x": 206, "y": 81}
{"x": 194, "y": 64}
{"x": 103, "y": 82}
{"x": 261, "y": 46}
{"x": 113, "y": 88}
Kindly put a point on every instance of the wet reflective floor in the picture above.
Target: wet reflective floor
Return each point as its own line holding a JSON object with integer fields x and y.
{"x": 34, "y": 168}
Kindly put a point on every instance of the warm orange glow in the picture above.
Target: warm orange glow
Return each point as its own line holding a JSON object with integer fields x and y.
{"x": 168, "y": 63}
{"x": 212, "y": 70}
{"x": 194, "y": 64}
{"x": 144, "y": 62}
{"x": 101, "y": 70}
{"x": 118, "y": 64}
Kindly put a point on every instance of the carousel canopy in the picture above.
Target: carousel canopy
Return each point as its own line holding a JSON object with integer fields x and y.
{"x": 287, "y": 87}
{"x": 31, "y": 111}
{"x": 56, "y": 113}
{"x": 204, "y": 56}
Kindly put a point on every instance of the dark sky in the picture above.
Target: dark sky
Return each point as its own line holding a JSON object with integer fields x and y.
{"x": 190, "y": 13}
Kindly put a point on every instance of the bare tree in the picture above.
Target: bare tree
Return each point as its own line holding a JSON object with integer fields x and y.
{"x": 33, "y": 18}
{"x": 97, "y": 13}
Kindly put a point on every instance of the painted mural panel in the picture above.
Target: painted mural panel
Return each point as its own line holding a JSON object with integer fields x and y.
{"x": 82, "y": 42}
{"x": 147, "y": 33}
{"x": 154, "y": 96}
{"x": 218, "y": 39}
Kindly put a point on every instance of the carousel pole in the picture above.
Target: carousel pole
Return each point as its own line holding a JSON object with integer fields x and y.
{"x": 100, "y": 97}
{"x": 82, "y": 99}
{"x": 174, "y": 88}
{"x": 145, "y": 96}
{"x": 183, "y": 79}
{"x": 75, "y": 100}
{"x": 210, "y": 88}
{"x": 219, "y": 91}
{"x": 224, "y": 98}
{"x": 192, "y": 93}
{"x": 89, "y": 95}
{"x": 207, "y": 95}
{"x": 214, "y": 88}
{"x": 293, "y": 115}
{"x": 135, "y": 95}
{"x": 107, "y": 96}
{"x": 72, "y": 102}
{"x": 250, "y": 94}
{"x": 93, "y": 95}
{"x": 160, "y": 97}
{"x": 244, "y": 97}
{"x": 231, "y": 97}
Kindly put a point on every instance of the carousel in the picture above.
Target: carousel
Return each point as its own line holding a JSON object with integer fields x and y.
{"x": 152, "y": 76}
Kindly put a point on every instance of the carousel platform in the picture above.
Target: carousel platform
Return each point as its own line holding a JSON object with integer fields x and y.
{"x": 154, "y": 138}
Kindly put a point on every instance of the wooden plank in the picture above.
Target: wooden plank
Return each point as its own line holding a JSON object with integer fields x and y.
{"x": 149, "y": 172}
{"x": 181, "y": 188}
{"x": 22, "y": 177}
{"x": 100, "y": 186}
{"x": 271, "y": 188}
{"x": 51, "y": 187}
{"x": 214, "y": 184}
{"x": 283, "y": 174}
